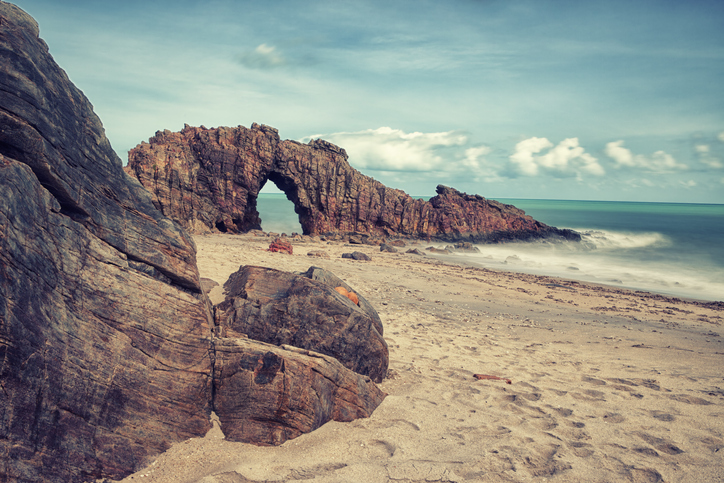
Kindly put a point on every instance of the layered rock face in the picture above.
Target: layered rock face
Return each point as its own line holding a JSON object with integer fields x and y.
{"x": 107, "y": 352}
{"x": 273, "y": 306}
{"x": 209, "y": 180}
{"x": 104, "y": 331}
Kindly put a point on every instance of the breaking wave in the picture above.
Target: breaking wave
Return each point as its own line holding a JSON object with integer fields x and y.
{"x": 643, "y": 261}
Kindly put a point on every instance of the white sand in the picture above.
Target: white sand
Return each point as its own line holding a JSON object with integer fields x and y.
{"x": 607, "y": 384}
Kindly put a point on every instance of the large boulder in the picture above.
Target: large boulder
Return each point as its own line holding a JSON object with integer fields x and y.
{"x": 107, "y": 352}
{"x": 283, "y": 308}
{"x": 266, "y": 394}
{"x": 331, "y": 280}
{"x": 104, "y": 331}
{"x": 210, "y": 179}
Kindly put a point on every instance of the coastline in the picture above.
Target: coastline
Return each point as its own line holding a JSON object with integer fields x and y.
{"x": 608, "y": 384}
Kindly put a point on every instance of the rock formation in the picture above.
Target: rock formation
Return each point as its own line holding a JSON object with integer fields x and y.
{"x": 107, "y": 354}
{"x": 209, "y": 180}
{"x": 268, "y": 394}
{"x": 273, "y": 306}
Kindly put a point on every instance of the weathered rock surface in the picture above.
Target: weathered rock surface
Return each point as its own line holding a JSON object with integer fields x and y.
{"x": 267, "y": 394}
{"x": 357, "y": 256}
{"x": 283, "y": 308}
{"x": 281, "y": 245}
{"x": 388, "y": 248}
{"x": 209, "y": 179}
{"x": 104, "y": 331}
{"x": 331, "y": 280}
{"x": 106, "y": 349}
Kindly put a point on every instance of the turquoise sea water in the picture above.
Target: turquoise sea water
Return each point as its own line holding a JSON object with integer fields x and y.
{"x": 670, "y": 248}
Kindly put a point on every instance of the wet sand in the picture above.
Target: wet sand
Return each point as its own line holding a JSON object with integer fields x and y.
{"x": 606, "y": 384}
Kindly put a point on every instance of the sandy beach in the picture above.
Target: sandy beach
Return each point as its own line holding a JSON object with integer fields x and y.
{"x": 605, "y": 384}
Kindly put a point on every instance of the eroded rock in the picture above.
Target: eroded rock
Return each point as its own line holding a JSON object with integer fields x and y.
{"x": 210, "y": 179}
{"x": 283, "y": 308}
{"x": 267, "y": 394}
{"x": 104, "y": 330}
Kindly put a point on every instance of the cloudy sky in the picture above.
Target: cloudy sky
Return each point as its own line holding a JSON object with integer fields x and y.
{"x": 548, "y": 99}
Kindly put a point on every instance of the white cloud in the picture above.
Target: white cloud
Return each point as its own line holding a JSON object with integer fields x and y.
{"x": 657, "y": 162}
{"x": 475, "y": 157}
{"x": 720, "y": 137}
{"x": 688, "y": 184}
{"x": 703, "y": 152}
{"x": 262, "y": 57}
{"x": 523, "y": 160}
{"x": 563, "y": 160}
{"x": 395, "y": 150}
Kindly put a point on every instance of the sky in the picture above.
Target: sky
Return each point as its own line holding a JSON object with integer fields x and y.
{"x": 537, "y": 99}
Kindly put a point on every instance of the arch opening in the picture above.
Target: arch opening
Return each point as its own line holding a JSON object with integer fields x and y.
{"x": 276, "y": 211}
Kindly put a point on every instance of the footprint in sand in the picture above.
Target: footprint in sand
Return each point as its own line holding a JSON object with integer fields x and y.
{"x": 614, "y": 418}
{"x": 662, "y": 416}
{"x": 378, "y": 449}
{"x": 660, "y": 444}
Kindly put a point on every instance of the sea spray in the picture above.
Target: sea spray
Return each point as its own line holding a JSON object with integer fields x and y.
{"x": 669, "y": 248}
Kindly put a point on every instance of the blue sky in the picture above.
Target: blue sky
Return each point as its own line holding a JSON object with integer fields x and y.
{"x": 599, "y": 100}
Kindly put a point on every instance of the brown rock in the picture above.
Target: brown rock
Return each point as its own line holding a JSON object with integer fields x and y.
{"x": 357, "y": 256}
{"x": 209, "y": 179}
{"x": 331, "y": 280}
{"x": 281, "y": 245}
{"x": 284, "y": 308}
{"x": 267, "y": 394}
{"x": 463, "y": 247}
{"x": 388, "y": 248}
{"x": 104, "y": 330}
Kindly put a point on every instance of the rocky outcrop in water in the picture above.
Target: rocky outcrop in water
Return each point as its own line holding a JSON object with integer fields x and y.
{"x": 209, "y": 180}
{"x": 107, "y": 352}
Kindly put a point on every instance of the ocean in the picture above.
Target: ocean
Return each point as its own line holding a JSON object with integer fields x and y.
{"x": 669, "y": 248}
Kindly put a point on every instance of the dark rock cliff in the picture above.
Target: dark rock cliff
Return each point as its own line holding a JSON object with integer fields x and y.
{"x": 209, "y": 180}
{"x": 107, "y": 352}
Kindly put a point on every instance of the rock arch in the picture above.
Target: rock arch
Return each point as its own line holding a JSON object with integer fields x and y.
{"x": 210, "y": 179}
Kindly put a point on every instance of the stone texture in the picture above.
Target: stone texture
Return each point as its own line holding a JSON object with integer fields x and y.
{"x": 104, "y": 331}
{"x": 357, "y": 256}
{"x": 388, "y": 248}
{"x": 281, "y": 245}
{"x": 107, "y": 354}
{"x": 209, "y": 179}
{"x": 267, "y": 394}
{"x": 331, "y": 280}
{"x": 283, "y": 308}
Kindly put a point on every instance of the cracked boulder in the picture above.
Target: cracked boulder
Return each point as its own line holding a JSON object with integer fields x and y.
{"x": 266, "y": 394}
{"x": 284, "y": 308}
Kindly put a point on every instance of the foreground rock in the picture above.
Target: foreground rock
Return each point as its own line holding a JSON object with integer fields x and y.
{"x": 283, "y": 308}
{"x": 104, "y": 331}
{"x": 106, "y": 337}
{"x": 267, "y": 394}
{"x": 209, "y": 180}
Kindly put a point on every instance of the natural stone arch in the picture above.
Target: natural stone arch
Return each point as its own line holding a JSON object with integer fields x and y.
{"x": 210, "y": 179}
{"x": 288, "y": 189}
